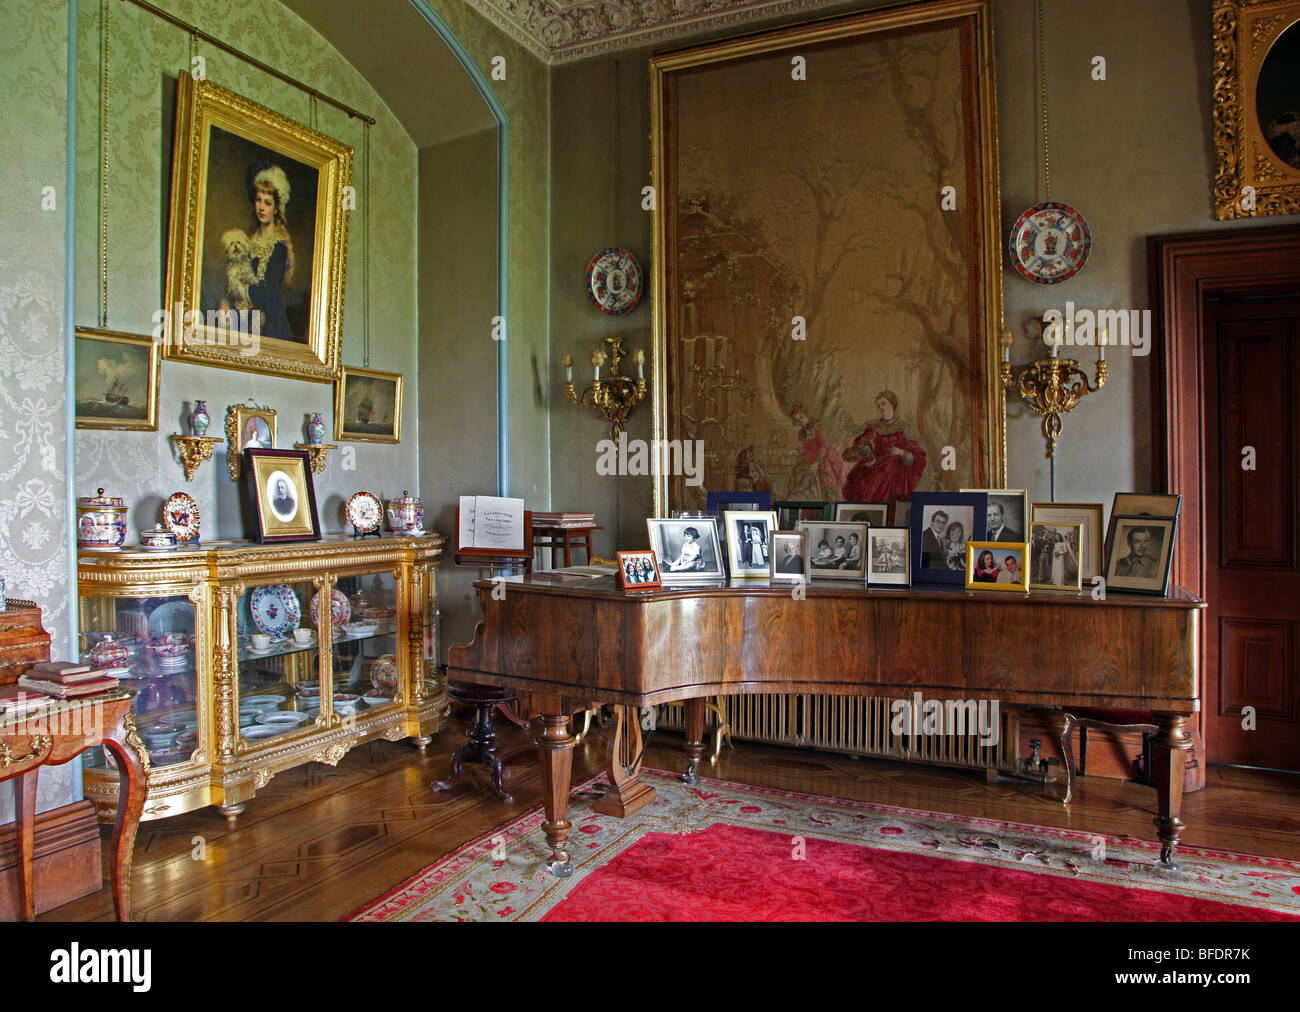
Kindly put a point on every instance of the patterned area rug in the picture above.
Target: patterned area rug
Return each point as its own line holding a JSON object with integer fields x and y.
{"x": 724, "y": 851}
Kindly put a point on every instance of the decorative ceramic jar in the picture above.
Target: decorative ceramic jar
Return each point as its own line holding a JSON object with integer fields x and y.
{"x": 383, "y": 674}
{"x": 158, "y": 536}
{"x": 101, "y": 521}
{"x": 406, "y": 513}
{"x": 199, "y": 419}
{"x": 315, "y": 430}
{"x": 110, "y": 652}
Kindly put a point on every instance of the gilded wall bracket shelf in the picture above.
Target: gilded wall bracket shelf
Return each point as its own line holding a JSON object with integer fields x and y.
{"x": 195, "y": 450}
{"x": 318, "y": 452}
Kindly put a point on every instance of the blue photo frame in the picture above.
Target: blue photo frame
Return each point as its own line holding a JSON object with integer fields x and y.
{"x": 933, "y": 550}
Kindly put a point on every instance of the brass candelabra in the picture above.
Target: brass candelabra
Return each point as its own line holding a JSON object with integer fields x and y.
{"x": 613, "y": 397}
{"x": 1052, "y": 386}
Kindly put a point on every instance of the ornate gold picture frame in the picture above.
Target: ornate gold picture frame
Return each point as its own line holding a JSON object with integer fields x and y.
{"x": 827, "y": 278}
{"x": 368, "y": 406}
{"x": 116, "y": 380}
{"x": 248, "y": 426}
{"x": 257, "y": 243}
{"x": 1256, "y": 107}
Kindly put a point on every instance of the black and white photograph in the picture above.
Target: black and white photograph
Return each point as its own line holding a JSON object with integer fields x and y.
{"x": 888, "y": 560}
{"x": 744, "y": 502}
{"x": 1146, "y": 504}
{"x": 902, "y": 513}
{"x": 687, "y": 551}
{"x": 836, "y": 551}
{"x": 789, "y": 551}
{"x": 1092, "y": 539}
{"x": 1054, "y": 557}
{"x": 1138, "y": 555}
{"x": 748, "y": 534}
{"x": 281, "y": 496}
{"x": 874, "y": 513}
{"x": 637, "y": 571}
{"x": 1007, "y": 514}
{"x": 942, "y": 524}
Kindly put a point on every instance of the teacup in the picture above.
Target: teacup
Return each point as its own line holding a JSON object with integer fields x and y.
{"x": 261, "y": 641}
{"x": 302, "y": 636}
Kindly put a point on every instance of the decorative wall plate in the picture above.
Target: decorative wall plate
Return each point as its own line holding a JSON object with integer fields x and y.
{"x": 340, "y": 610}
{"x": 364, "y": 511}
{"x": 614, "y": 281}
{"x": 275, "y": 609}
{"x": 181, "y": 516}
{"x": 1050, "y": 243}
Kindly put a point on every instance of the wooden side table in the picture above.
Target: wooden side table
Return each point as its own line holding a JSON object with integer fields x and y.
{"x": 54, "y": 735}
{"x": 563, "y": 538}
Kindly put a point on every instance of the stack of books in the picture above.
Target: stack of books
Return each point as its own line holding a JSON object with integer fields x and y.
{"x": 66, "y": 679}
{"x": 559, "y": 518}
{"x": 17, "y": 702}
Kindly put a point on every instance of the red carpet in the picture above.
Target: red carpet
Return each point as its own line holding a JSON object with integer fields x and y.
{"x": 724, "y": 851}
{"x": 731, "y": 873}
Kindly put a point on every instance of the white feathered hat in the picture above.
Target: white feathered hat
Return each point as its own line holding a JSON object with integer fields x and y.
{"x": 271, "y": 176}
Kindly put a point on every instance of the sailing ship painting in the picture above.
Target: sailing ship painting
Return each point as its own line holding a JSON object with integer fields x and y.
{"x": 116, "y": 381}
{"x": 368, "y": 406}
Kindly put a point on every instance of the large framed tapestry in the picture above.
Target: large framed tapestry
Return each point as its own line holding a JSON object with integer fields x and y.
{"x": 257, "y": 242}
{"x": 827, "y": 263}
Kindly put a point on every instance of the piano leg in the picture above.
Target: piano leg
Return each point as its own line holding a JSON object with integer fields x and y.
{"x": 555, "y": 750}
{"x": 1168, "y": 767}
{"x": 694, "y": 740}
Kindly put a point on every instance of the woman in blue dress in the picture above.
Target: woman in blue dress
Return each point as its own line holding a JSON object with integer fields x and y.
{"x": 270, "y": 248}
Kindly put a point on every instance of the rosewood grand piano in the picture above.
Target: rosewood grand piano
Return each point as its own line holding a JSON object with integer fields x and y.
{"x": 562, "y": 648}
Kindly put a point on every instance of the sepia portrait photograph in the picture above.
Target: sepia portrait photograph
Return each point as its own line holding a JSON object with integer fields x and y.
{"x": 1054, "y": 557}
{"x": 789, "y": 551}
{"x": 282, "y": 496}
{"x": 888, "y": 560}
{"x": 1007, "y": 514}
{"x": 836, "y": 551}
{"x": 1138, "y": 556}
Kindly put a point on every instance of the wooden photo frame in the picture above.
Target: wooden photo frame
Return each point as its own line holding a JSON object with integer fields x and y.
{"x": 257, "y": 239}
{"x": 836, "y": 550}
{"x": 638, "y": 570}
{"x": 1055, "y": 557}
{"x": 788, "y": 551}
{"x": 1092, "y": 550}
{"x": 749, "y": 536}
{"x": 901, "y": 513}
{"x": 280, "y": 495}
{"x": 116, "y": 380}
{"x": 248, "y": 426}
{"x": 1150, "y": 504}
{"x": 889, "y": 558}
{"x": 874, "y": 513}
{"x": 730, "y": 267}
{"x": 368, "y": 406}
{"x": 1008, "y": 569}
{"x": 1256, "y": 93}
{"x": 942, "y": 524}
{"x": 1137, "y": 564}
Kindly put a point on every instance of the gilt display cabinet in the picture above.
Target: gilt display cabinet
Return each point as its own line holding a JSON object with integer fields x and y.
{"x": 248, "y": 660}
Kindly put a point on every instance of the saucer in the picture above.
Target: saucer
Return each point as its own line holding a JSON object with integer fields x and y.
{"x": 158, "y": 548}
{"x": 303, "y": 646}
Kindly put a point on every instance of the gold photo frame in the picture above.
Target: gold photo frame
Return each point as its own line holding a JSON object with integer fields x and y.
{"x": 1000, "y": 574}
{"x": 368, "y": 406}
{"x": 116, "y": 380}
{"x": 1256, "y": 102}
{"x": 257, "y": 240}
{"x": 248, "y": 426}
{"x": 862, "y": 165}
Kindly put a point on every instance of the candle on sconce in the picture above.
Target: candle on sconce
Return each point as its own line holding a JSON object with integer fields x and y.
{"x": 638, "y": 357}
{"x": 597, "y": 360}
{"x": 1007, "y": 339}
{"x": 567, "y": 361}
{"x": 1103, "y": 339}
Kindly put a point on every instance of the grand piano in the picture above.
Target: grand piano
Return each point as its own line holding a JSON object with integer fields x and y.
{"x": 562, "y": 647}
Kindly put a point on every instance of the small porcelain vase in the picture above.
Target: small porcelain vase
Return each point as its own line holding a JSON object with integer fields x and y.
{"x": 315, "y": 430}
{"x": 199, "y": 419}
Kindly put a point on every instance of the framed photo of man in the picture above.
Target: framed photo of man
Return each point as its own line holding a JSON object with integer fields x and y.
{"x": 748, "y": 541}
{"x": 1008, "y": 514}
{"x": 1055, "y": 562}
{"x": 281, "y": 496}
{"x": 942, "y": 523}
{"x": 637, "y": 571}
{"x": 1138, "y": 554}
{"x": 789, "y": 552}
{"x": 257, "y": 242}
{"x": 889, "y": 563}
{"x": 836, "y": 551}
{"x": 687, "y": 551}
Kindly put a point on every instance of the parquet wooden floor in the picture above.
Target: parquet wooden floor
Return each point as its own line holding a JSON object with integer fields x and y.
{"x": 319, "y": 842}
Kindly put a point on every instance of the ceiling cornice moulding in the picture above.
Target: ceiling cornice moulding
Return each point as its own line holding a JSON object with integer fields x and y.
{"x": 564, "y": 31}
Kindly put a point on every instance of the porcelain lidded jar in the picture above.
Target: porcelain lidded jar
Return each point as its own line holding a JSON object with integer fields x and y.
{"x": 101, "y": 521}
{"x": 158, "y": 536}
{"x": 406, "y": 513}
{"x": 315, "y": 429}
{"x": 199, "y": 419}
{"x": 110, "y": 652}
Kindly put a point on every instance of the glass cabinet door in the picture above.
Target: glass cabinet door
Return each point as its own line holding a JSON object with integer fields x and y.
{"x": 366, "y": 650}
{"x": 279, "y": 661}
{"x": 148, "y": 643}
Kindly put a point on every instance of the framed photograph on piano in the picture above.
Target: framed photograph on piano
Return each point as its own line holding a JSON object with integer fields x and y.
{"x": 687, "y": 551}
{"x": 942, "y": 524}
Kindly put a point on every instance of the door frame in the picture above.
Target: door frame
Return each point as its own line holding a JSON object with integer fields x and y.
{"x": 1183, "y": 270}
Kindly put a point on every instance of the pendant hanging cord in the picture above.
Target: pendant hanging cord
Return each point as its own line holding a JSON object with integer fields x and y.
{"x": 365, "y": 290}
{"x": 1042, "y": 75}
{"x": 103, "y": 164}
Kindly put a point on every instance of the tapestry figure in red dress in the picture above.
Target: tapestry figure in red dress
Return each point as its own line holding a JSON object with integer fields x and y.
{"x": 819, "y": 454}
{"x": 888, "y": 464}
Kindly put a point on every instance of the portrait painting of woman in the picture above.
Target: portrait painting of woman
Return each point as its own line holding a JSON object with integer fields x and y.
{"x": 886, "y": 463}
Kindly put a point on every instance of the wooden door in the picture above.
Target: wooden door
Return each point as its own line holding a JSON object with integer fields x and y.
{"x": 1252, "y": 529}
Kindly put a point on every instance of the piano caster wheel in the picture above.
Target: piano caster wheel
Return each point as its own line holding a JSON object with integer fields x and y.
{"x": 558, "y": 869}
{"x": 690, "y": 778}
{"x": 1167, "y": 862}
